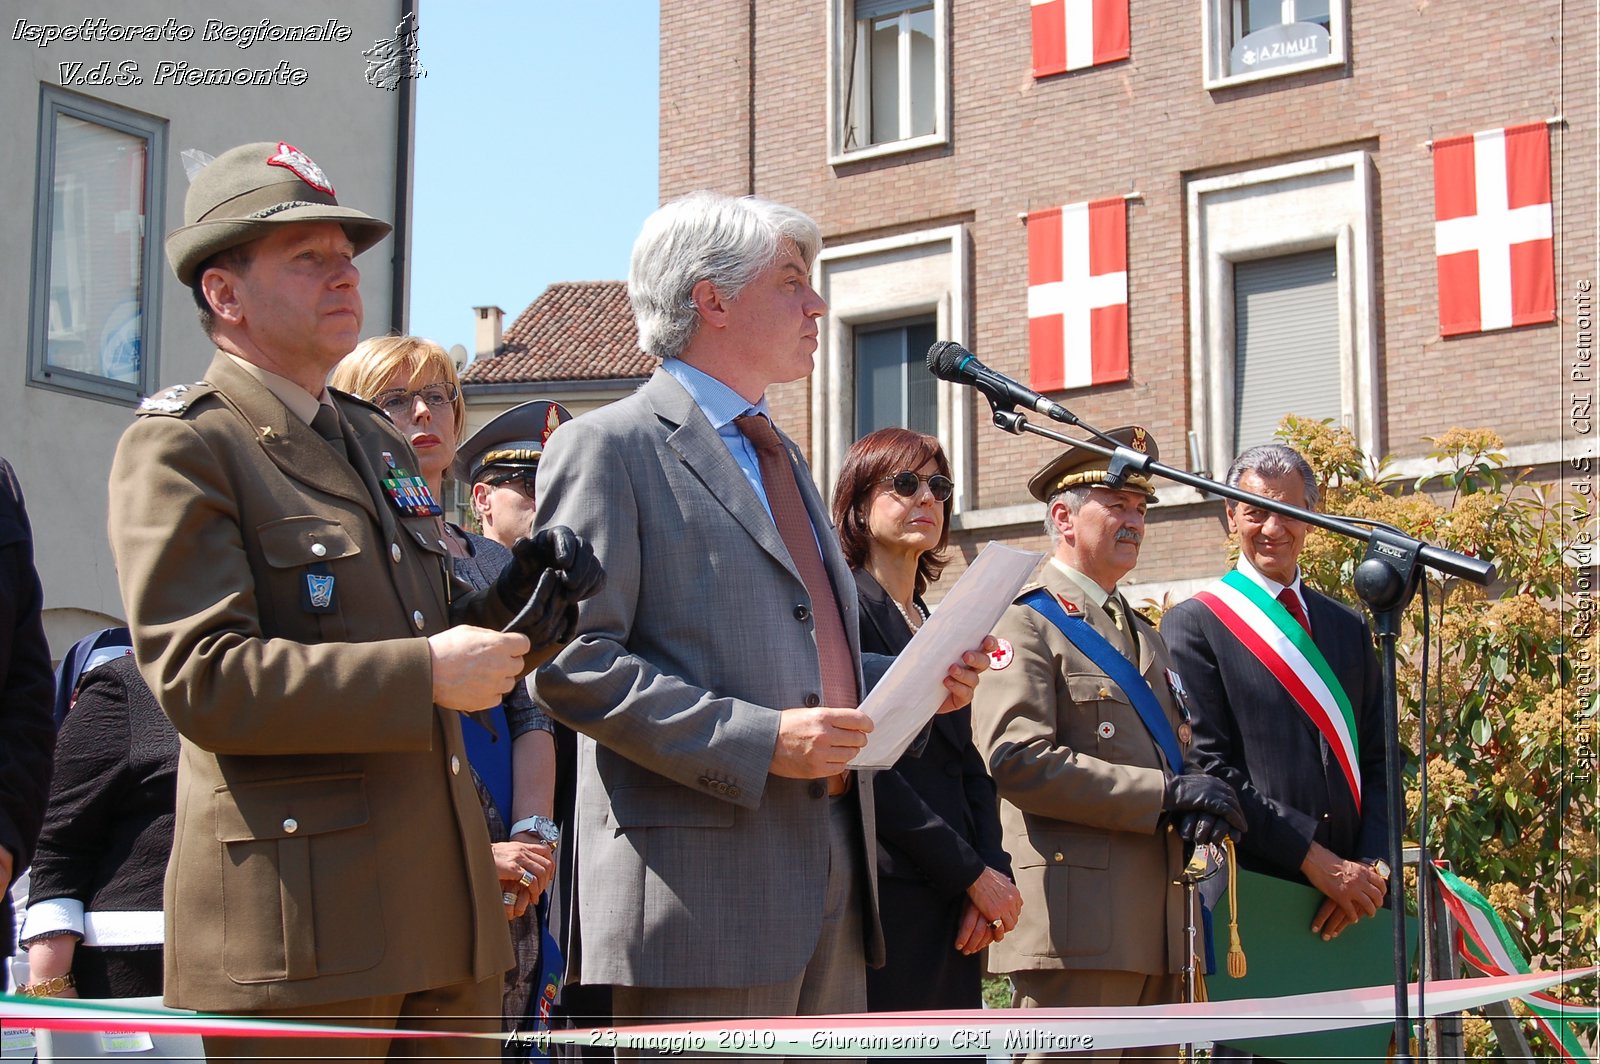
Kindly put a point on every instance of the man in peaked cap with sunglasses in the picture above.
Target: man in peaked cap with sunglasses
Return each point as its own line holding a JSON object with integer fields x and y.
{"x": 291, "y": 609}
{"x": 1084, "y": 729}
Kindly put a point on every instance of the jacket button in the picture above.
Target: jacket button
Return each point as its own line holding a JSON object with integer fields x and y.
{"x": 802, "y": 612}
{"x": 1058, "y": 857}
{"x": 817, "y": 789}
{"x": 813, "y": 700}
{"x": 1104, "y": 692}
{"x": 394, "y": 553}
{"x": 733, "y": 792}
{"x": 455, "y": 765}
{"x": 705, "y": 781}
{"x": 291, "y": 825}
{"x": 418, "y": 619}
{"x": 319, "y": 550}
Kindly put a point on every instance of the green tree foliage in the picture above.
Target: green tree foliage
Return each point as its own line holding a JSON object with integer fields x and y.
{"x": 1509, "y": 806}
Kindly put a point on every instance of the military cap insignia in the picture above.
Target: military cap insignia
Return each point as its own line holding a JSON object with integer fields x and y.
{"x": 552, "y": 421}
{"x": 299, "y": 163}
{"x": 1138, "y": 441}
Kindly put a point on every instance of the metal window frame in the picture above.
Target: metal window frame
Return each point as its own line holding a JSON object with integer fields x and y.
{"x": 53, "y": 103}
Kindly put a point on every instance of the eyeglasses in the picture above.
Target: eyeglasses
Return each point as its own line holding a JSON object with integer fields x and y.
{"x": 908, "y": 484}
{"x": 521, "y": 483}
{"x": 398, "y": 401}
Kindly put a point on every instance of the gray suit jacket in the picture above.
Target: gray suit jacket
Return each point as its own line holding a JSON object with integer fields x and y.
{"x": 695, "y": 866}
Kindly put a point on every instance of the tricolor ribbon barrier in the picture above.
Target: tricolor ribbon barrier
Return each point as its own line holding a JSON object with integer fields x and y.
{"x": 1484, "y": 941}
{"x": 883, "y": 1034}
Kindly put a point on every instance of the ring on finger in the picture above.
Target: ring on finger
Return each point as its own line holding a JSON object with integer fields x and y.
{"x": 508, "y": 898}
{"x": 527, "y": 879}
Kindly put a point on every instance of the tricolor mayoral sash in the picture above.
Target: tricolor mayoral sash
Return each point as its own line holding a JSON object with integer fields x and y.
{"x": 1268, "y": 631}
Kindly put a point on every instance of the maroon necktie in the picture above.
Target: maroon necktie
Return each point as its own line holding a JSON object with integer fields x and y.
{"x": 1291, "y": 602}
{"x": 794, "y": 525}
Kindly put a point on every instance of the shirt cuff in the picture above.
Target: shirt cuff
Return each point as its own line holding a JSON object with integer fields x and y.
{"x": 52, "y": 915}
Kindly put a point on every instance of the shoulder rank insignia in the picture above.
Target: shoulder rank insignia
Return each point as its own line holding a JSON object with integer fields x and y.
{"x": 173, "y": 400}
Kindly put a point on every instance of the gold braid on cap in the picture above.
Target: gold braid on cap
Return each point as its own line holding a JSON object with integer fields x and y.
{"x": 1131, "y": 482}
{"x": 511, "y": 454}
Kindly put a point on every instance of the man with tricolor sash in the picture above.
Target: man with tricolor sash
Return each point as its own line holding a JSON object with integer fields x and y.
{"x": 1084, "y": 726}
{"x": 1286, "y": 701}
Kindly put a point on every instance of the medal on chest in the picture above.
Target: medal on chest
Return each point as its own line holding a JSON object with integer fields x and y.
{"x": 1181, "y": 696}
{"x": 408, "y": 493}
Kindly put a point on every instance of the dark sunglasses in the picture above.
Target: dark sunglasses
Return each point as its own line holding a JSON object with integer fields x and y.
{"x": 908, "y": 484}
{"x": 522, "y": 483}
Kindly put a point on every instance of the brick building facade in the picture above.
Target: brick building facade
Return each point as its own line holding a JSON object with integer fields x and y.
{"x": 1220, "y": 165}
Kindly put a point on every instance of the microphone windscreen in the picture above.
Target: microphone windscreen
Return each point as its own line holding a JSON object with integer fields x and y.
{"x": 944, "y": 358}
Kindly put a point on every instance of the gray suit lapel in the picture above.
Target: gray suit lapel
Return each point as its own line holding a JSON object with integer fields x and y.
{"x": 707, "y": 457}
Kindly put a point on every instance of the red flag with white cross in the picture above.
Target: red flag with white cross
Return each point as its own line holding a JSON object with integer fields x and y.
{"x": 1073, "y": 34}
{"x": 1078, "y": 295}
{"x": 1492, "y": 229}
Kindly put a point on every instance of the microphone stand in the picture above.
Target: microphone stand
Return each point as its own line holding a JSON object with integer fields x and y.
{"x": 1386, "y": 579}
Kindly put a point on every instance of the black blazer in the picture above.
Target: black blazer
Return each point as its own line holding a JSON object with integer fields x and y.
{"x": 1249, "y": 732}
{"x": 938, "y": 820}
{"x": 27, "y": 730}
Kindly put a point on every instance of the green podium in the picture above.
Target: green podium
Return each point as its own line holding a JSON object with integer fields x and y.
{"x": 1283, "y": 957}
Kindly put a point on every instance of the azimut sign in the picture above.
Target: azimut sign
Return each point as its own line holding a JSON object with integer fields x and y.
{"x": 1286, "y": 44}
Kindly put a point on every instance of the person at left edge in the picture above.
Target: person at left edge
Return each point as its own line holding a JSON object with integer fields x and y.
{"x": 27, "y": 734}
{"x": 296, "y": 619}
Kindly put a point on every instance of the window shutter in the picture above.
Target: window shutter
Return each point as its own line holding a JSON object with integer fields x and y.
{"x": 1286, "y": 347}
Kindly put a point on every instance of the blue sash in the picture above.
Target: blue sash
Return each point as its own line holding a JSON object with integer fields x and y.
{"x": 1109, "y": 660}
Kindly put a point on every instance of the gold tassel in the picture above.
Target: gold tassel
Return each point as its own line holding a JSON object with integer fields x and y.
{"x": 1236, "y": 961}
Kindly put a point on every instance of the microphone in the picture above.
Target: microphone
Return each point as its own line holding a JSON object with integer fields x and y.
{"x": 949, "y": 361}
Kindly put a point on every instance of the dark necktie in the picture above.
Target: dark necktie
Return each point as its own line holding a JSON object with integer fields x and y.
{"x": 1291, "y": 602}
{"x": 326, "y": 423}
{"x": 794, "y": 526}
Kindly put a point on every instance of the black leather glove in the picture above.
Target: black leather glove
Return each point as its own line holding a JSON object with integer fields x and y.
{"x": 1200, "y": 805}
{"x": 548, "y": 575}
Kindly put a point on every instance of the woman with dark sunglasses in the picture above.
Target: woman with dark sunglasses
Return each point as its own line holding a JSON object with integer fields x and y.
{"x": 944, "y": 883}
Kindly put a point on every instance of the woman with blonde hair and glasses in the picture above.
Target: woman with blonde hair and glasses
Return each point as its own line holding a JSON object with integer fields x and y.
{"x": 944, "y": 883}
{"x": 413, "y": 381}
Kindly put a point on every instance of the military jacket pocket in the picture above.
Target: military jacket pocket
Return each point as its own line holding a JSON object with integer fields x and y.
{"x": 1071, "y": 871}
{"x": 310, "y": 557}
{"x": 300, "y": 885}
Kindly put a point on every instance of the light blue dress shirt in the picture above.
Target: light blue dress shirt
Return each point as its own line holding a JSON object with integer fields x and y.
{"x": 721, "y": 404}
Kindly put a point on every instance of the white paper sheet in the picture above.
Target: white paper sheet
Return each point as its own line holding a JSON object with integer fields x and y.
{"x": 913, "y": 688}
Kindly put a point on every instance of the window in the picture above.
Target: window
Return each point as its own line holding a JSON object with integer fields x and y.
{"x": 97, "y": 219}
{"x": 1282, "y": 314}
{"x": 888, "y": 301}
{"x": 887, "y": 83}
{"x": 1247, "y": 40}
{"x": 893, "y": 385}
{"x": 1286, "y": 342}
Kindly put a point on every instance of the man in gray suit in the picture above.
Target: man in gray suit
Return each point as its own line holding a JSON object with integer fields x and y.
{"x": 721, "y": 864}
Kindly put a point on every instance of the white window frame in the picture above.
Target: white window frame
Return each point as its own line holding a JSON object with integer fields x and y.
{"x": 1303, "y": 206}
{"x": 833, "y": 398}
{"x": 1218, "y": 19}
{"x": 54, "y": 103}
{"x": 847, "y": 64}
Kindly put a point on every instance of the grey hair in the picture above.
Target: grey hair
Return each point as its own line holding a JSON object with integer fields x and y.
{"x": 1269, "y": 461}
{"x": 1074, "y": 497}
{"x": 706, "y": 236}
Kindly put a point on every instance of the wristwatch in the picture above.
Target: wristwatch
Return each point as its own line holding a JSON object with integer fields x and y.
{"x": 542, "y": 826}
{"x": 1381, "y": 867}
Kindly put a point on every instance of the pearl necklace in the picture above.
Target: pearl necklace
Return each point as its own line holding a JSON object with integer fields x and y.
{"x": 915, "y": 625}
